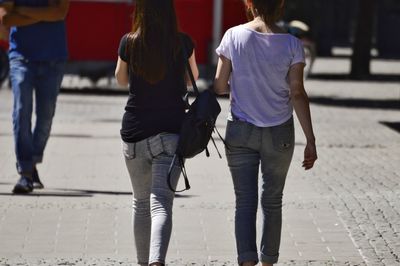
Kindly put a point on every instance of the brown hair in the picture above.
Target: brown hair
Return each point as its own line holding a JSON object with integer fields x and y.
{"x": 154, "y": 39}
{"x": 269, "y": 10}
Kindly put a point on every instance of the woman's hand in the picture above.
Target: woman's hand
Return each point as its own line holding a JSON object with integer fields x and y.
{"x": 310, "y": 155}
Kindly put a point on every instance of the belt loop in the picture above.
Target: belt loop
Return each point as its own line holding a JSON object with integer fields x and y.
{"x": 149, "y": 147}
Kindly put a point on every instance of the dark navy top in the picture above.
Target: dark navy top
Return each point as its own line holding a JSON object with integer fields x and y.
{"x": 41, "y": 41}
{"x": 155, "y": 108}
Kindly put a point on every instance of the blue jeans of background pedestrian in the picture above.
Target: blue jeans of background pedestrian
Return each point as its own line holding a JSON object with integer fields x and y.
{"x": 148, "y": 162}
{"x": 42, "y": 79}
{"x": 247, "y": 147}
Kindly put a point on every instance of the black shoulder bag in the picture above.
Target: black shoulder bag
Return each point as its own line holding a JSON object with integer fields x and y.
{"x": 197, "y": 127}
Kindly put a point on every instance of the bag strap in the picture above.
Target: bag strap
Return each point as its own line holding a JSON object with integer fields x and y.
{"x": 185, "y": 97}
{"x": 189, "y": 69}
{"x": 183, "y": 171}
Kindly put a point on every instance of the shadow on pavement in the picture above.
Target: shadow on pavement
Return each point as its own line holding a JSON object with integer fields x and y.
{"x": 95, "y": 91}
{"x": 63, "y": 192}
{"x": 47, "y": 194}
{"x": 358, "y": 103}
{"x": 339, "y": 77}
{"x": 392, "y": 125}
{"x": 94, "y": 192}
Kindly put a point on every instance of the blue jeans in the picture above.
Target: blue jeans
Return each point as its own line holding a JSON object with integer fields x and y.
{"x": 44, "y": 80}
{"x": 247, "y": 147}
{"x": 148, "y": 162}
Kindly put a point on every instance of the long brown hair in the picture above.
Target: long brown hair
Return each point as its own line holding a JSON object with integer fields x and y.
{"x": 154, "y": 39}
{"x": 269, "y": 10}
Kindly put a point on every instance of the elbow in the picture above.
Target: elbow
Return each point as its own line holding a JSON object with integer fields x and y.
{"x": 62, "y": 11}
{"x": 299, "y": 96}
{"x": 121, "y": 81}
{"x": 5, "y": 21}
{"x": 220, "y": 88}
{"x": 58, "y": 16}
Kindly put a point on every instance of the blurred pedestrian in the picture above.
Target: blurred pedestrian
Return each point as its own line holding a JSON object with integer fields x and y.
{"x": 37, "y": 55}
{"x": 151, "y": 61}
{"x": 261, "y": 67}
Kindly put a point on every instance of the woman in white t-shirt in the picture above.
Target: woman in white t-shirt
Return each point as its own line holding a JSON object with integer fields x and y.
{"x": 262, "y": 68}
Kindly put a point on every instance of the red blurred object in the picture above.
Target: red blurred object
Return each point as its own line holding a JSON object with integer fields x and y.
{"x": 195, "y": 17}
{"x": 234, "y": 14}
{"x": 96, "y": 27}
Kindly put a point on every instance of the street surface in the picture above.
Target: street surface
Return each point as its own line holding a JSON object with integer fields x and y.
{"x": 345, "y": 211}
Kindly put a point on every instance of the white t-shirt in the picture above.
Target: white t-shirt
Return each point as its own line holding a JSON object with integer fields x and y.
{"x": 259, "y": 85}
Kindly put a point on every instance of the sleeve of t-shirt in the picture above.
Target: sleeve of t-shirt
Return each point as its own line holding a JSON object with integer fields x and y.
{"x": 188, "y": 43}
{"x": 224, "y": 47}
{"x": 297, "y": 52}
{"x": 122, "y": 48}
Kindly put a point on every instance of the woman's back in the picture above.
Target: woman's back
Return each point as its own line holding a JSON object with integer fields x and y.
{"x": 156, "y": 107}
{"x": 260, "y": 65}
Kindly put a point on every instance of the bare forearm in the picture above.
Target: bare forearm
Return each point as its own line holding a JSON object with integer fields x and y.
{"x": 13, "y": 19}
{"x": 221, "y": 81}
{"x": 302, "y": 108}
{"x": 43, "y": 14}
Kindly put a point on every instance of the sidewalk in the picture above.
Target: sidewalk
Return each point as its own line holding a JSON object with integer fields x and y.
{"x": 346, "y": 211}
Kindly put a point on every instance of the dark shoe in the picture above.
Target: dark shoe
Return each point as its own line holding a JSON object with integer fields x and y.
{"x": 36, "y": 180}
{"x": 23, "y": 186}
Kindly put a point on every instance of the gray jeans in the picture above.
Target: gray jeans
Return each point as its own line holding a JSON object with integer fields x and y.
{"x": 148, "y": 162}
{"x": 248, "y": 146}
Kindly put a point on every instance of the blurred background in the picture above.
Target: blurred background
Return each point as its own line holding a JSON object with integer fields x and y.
{"x": 353, "y": 29}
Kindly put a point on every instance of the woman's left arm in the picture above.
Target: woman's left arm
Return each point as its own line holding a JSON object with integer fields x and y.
{"x": 121, "y": 73}
{"x": 301, "y": 106}
{"x": 194, "y": 68}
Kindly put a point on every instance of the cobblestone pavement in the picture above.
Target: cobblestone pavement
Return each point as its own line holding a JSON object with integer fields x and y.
{"x": 346, "y": 211}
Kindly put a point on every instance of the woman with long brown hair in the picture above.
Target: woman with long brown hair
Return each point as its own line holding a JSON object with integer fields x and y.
{"x": 262, "y": 68}
{"x": 151, "y": 61}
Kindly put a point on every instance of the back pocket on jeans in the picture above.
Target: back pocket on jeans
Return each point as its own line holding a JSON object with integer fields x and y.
{"x": 169, "y": 142}
{"x": 283, "y": 136}
{"x": 238, "y": 133}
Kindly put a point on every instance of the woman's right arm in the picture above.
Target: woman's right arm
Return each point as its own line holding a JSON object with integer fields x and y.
{"x": 56, "y": 11}
{"x": 24, "y": 16}
{"x": 121, "y": 73}
{"x": 9, "y": 18}
{"x": 221, "y": 81}
{"x": 301, "y": 106}
{"x": 17, "y": 20}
